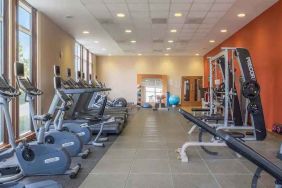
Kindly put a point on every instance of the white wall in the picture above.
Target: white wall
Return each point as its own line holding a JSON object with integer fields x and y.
{"x": 120, "y": 72}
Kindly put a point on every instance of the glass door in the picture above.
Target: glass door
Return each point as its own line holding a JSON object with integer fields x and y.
{"x": 190, "y": 90}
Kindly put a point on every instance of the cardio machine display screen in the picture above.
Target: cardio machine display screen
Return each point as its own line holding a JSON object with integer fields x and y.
{"x": 20, "y": 69}
{"x": 57, "y": 70}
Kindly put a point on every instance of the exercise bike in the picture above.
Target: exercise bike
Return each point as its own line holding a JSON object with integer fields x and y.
{"x": 70, "y": 141}
{"x": 33, "y": 158}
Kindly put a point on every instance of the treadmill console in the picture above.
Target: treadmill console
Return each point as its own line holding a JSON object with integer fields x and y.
{"x": 68, "y": 72}
{"x": 78, "y": 74}
{"x": 19, "y": 69}
{"x": 57, "y": 70}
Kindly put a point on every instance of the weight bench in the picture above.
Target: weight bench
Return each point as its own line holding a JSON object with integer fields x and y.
{"x": 195, "y": 110}
{"x": 239, "y": 147}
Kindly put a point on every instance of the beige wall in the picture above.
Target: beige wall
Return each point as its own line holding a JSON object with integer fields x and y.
{"x": 120, "y": 72}
{"x": 55, "y": 47}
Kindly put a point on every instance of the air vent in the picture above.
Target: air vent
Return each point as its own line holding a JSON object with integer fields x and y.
{"x": 158, "y": 41}
{"x": 105, "y": 21}
{"x": 183, "y": 42}
{"x": 121, "y": 41}
{"x": 159, "y": 21}
{"x": 194, "y": 20}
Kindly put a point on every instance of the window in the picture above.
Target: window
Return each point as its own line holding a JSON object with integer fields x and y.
{"x": 77, "y": 58}
{"x": 24, "y": 50}
{"x": 85, "y": 62}
{"x": 153, "y": 89}
{"x": 1, "y": 61}
{"x": 90, "y": 65}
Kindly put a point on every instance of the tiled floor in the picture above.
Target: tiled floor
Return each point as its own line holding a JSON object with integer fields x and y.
{"x": 143, "y": 156}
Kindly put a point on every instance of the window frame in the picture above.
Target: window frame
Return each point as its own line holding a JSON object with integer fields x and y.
{"x": 3, "y": 40}
{"x": 32, "y": 33}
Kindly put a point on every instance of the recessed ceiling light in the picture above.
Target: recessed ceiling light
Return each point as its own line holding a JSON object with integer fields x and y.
{"x": 212, "y": 41}
{"x": 168, "y": 48}
{"x": 173, "y": 30}
{"x": 223, "y": 30}
{"x": 128, "y": 31}
{"x": 178, "y": 14}
{"x": 120, "y": 15}
{"x": 96, "y": 41}
{"x": 170, "y": 41}
{"x": 133, "y": 41}
{"x": 197, "y": 54}
{"x": 241, "y": 15}
{"x": 85, "y": 32}
{"x": 166, "y": 54}
{"x": 104, "y": 49}
{"x": 139, "y": 54}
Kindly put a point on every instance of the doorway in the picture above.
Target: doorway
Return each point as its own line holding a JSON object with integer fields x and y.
{"x": 150, "y": 88}
{"x": 190, "y": 90}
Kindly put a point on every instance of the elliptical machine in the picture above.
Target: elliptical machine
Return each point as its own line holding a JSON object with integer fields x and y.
{"x": 71, "y": 142}
{"x": 33, "y": 158}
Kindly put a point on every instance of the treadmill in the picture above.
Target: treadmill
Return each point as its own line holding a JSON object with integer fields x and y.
{"x": 110, "y": 125}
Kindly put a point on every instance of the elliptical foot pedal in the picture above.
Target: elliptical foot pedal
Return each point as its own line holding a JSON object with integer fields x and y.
{"x": 104, "y": 139}
{"x": 97, "y": 144}
{"x": 74, "y": 171}
{"x": 85, "y": 153}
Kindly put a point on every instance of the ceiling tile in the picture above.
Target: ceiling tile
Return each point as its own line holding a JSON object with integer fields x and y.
{"x": 198, "y": 14}
{"x": 179, "y": 7}
{"x": 139, "y": 7}
{"x": 159, "y": 7}
{"x": 182, "y": 1}
{"x": 221, "y": 6}
{"x": 216, "y": 14}
{"x": 114, "y": 1}
{"x": 159, "y": 14}
{"x": 159, "y": 1}
{"x": 139, "y": 14}
{"x": 201, "y": 6}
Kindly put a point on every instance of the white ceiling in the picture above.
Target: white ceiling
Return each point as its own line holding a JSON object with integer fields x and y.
{"x": 202, "y": 21}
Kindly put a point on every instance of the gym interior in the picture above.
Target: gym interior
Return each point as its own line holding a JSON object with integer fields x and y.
{"x": 140, "y": 93}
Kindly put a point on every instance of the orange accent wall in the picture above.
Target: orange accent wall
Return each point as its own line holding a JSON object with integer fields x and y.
{"x": 263, "y": 38}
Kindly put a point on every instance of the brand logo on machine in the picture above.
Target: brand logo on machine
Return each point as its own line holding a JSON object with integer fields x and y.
{"x": 80, "y": 134}
{"x": 251, "y": 68}
{"x": 67, "y": 144}
{"x": 51, "y": 160}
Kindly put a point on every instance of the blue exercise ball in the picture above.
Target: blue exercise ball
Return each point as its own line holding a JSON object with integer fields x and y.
{"x": 174, "y": 100}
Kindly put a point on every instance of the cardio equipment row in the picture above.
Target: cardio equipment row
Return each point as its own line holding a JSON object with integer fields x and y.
{"x": 79, "y": 115}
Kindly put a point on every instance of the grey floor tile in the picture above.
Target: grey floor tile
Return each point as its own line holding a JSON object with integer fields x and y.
{"x": 149, "y": 181}
{"x": 227, "y": 166}
{"x": 105, "y": 181}
{"x": 192, "y": 167}
{"x": 234, "y": 181}
{"x": 125, "y": 154}
{"x": 125, "y": 145}
{"x": 194, "y": 181}
{"x": 150, "y": 166}
{"x": 152, "y": 145}
{"x": 112, "y": 166}
{"x": 151, "y": 154}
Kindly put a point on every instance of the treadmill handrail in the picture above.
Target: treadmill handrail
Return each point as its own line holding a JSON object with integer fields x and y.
{"x": 238, "y": 146}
